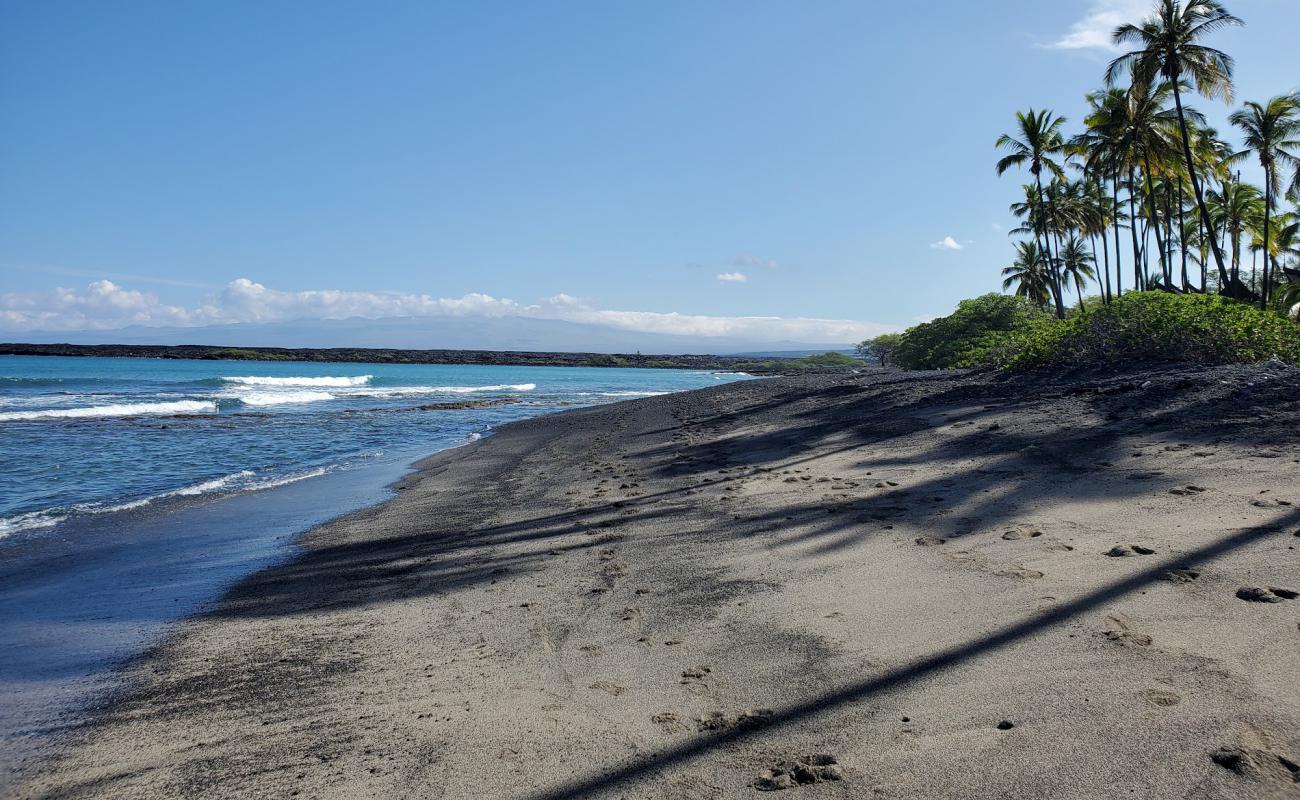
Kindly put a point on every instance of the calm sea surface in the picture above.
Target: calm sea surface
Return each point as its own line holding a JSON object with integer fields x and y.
{"x": 85, "y": 436}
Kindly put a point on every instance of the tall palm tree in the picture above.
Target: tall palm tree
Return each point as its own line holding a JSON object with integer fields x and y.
{"x": 1102, "y": 146}
{"x": 1168, "y": 46}
{"x": 1029, "y": 274}
{"x": 1038, "y": 144}
{"x": 1148, "y": 143}
{"x": 1272, "y": 132}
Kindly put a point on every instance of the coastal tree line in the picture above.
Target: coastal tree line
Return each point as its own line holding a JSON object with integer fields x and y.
{"x": 1139, "y": 241}
{"x": 1147, "y": 196}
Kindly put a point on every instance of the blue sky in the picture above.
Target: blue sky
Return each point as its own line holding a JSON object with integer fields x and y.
{"x": 576, "y": 159}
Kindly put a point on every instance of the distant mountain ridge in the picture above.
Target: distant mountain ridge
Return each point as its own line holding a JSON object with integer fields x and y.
{"x": 518, "y": 334}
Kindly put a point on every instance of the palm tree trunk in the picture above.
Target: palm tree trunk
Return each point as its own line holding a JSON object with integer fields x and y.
{"x": 1154, "y": 217}
{"x": 1051, "y": 261}
{"x": 1191, "y": 169}
{"x": 1182, "y": 234}
{"x": 1200, "y": 238}
{"x": 1105, "y": 270}
{"x": 1268, "y": 202}
{"x": 1119, "y": 277}
{"x": 1133, "y": 230}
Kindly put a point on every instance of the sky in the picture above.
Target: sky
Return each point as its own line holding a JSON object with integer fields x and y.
{"x": 813, "y": 169}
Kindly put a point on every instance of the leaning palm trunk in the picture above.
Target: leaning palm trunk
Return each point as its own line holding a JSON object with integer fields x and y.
{"x": 1191, "y": 168}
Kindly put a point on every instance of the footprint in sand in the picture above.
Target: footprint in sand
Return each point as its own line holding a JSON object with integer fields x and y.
{"x": 1021, "y": 532}
{"x": 718, "y": 721}
{"x": 799, "y": 771}
{"x": 1187, "y": 490}
{"x": 1259, "y": 765}
{"x": 609, "y": 688}
{"x": 1162, "y": 698}
{"x": 929, "y": 541}
{"x": 1180, "y": 575}
{"x": 696, "y": 673}
{"x": 1121, "y": 633}
{"x": 1271, "y": 594}
{"x": 1019, "y": 572}
{"x": 1125, "y": 551}
{"x": 669, "y": 722}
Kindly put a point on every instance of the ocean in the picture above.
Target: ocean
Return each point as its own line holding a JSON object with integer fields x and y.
{"x": 89, "y": 436}
{"x": 134, "y": 491}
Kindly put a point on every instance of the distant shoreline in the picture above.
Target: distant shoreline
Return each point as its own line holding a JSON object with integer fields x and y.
{"x": 758, "y": 365}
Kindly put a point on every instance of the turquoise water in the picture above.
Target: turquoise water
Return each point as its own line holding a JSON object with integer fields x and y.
{"x": 89, "y": 436}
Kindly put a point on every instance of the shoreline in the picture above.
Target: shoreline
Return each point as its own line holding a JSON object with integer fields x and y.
{"x": 193, "y": 550}
{"x": 666, "y": 597}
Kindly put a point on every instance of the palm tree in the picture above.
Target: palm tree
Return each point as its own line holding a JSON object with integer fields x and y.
{"x": 1271, "y": 131}
{"x": 1102, "y": 146}
{"x": 1235, "y": 210}
{"x": 1148, "y": 144}
{"x": 1214, "y": 158}
{"x": 1029, "y": 274}
{"x": 1168, "y": 46}
{"x": 1038, "y": 145}
{"x": 1077, "y": 264}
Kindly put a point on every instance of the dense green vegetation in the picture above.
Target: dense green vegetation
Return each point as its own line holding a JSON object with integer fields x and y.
{"x": 1012, "y": 333}
{"x": 958, "y": 339}
{"x": 1148, "y": 184}
{"x": 1144, "y": 328}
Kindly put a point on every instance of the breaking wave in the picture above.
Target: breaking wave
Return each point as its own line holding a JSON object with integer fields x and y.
{"x": 115, "y": 410}
{"x": 327, "y": 381}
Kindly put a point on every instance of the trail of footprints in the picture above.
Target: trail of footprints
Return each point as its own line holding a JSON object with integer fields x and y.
{"x": 699, "y": 452}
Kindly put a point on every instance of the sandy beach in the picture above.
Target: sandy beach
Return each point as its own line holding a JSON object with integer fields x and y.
{"x": 877, "y": 586}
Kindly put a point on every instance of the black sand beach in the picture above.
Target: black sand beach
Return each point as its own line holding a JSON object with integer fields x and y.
{"x": 885, "y": 585}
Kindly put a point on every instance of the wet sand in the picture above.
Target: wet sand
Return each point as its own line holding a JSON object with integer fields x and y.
{"x": 894, "y": 586}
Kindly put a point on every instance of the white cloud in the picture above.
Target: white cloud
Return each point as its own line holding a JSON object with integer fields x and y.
{"x": 104, "y": 305}
{"x": 1093, "y": 32}
{"x": 754, "y": 262}
{"x": 732, "y": 277}
{"x": 996, "y": 226}
{"x": 946, "y": 243}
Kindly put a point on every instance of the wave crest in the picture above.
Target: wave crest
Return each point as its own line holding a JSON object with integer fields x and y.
{"x": 271, "y": 380}
{"x": 115, "y": 410}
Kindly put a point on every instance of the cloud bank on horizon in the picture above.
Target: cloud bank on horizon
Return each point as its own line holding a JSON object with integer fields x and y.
{"x": 104, "y": 305}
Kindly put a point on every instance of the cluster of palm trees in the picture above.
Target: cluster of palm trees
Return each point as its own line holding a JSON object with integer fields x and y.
{"x": 1156, "y": 187}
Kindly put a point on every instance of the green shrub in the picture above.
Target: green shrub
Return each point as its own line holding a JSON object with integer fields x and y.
{"x": 961, "y": 338}
{"x": 881, "y": 348}
{"x": 1145, "y": 327}
{"x": 830, "y": 361}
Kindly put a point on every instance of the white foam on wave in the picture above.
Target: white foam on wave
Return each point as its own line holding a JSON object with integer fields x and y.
{"x": 292, "y": 380}
{"x": 631, "y": 394}
{"x": 504, "y": 387}
{"x": 26, "y": 522}
{"x": 50, "y": 517}
{"x": 282, "y": 398}
{"x": 115, "y": 410}
{"x": 283, "y": 480}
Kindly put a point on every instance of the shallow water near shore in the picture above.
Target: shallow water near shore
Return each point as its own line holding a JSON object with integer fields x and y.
{"x": 86, "y": 436}
{"x": 124, "y": 512}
